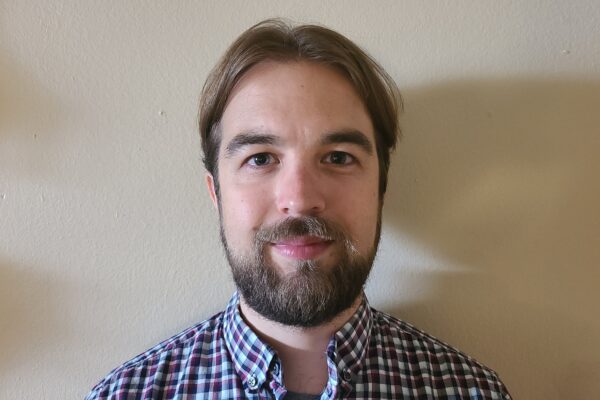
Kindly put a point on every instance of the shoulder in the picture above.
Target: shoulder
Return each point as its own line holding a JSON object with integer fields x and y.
{"x": 431, "y": 360}
{"x": 410, "y": 340}
{"x": 161, "y": 367}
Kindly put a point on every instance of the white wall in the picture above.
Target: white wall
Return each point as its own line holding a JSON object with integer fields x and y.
{"x": 108, "y": 242}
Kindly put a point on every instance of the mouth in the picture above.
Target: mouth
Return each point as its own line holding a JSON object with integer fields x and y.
{"x": 302, "y": 247}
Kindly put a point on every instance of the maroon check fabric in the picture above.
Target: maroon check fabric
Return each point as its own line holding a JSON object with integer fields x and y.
{"x": 373, "y": 356}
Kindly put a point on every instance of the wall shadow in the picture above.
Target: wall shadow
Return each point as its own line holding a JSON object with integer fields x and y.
{"x": 500, "y": 179}
{"x": 29, "y": 316}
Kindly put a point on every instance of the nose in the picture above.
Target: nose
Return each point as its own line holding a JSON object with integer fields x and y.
{"x": 299, "y": 191}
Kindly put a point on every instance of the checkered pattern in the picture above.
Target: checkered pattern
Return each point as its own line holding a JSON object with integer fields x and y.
{"x": 373, "y": 356}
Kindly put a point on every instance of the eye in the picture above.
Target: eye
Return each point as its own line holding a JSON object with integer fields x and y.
{"x": 339, "y": 158}
{"x": 260, "y": 159}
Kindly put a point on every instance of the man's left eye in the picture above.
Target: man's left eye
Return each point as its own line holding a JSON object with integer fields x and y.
{"x": 339, "y": 158}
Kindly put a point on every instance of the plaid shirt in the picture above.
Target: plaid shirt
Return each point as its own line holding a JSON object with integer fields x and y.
{"x": 373, "y": 356}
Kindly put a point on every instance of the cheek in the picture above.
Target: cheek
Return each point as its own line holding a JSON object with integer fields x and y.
{"x": 243, "y": 210}
{"x": 361, "y": 213}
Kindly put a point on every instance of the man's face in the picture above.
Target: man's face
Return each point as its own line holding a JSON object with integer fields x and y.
{"x": 298, "y": 191}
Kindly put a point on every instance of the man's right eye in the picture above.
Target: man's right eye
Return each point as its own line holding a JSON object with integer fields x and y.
{"x": 260, "y": 159}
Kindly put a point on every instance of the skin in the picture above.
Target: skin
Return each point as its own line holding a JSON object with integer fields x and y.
{"x": 297, "y": 140}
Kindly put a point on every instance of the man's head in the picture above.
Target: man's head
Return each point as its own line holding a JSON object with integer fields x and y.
{"x": 275, "y": 40}
{"x": 297, "y": 127}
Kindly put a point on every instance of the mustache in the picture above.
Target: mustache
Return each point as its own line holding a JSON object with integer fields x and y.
{"x": 291, "y": 227}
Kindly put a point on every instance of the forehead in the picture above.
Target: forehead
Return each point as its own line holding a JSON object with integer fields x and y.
{"x": 294, "y": 99}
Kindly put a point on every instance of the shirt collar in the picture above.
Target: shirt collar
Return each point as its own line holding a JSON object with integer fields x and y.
{"x": 251, "y": 356}
{"x": 352, "y": 341}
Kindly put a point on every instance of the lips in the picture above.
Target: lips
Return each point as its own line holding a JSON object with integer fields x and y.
{"x": 302, "y": 248}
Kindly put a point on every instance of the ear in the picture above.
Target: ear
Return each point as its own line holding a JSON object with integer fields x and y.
{"x": 210, "y": 185}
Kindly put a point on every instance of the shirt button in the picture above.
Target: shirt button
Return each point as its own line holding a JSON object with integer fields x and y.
{"x": 347, "y": 375}
{"x": 252, "y": 381}
{"x": 276, "y": 368}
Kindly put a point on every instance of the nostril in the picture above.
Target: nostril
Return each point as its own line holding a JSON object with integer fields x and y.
{"x": 299, "y": 194}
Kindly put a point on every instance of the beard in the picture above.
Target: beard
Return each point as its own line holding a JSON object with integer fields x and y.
{"x": 312, "y": 294}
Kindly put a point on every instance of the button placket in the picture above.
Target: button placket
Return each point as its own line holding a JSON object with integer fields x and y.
{"x": 252, "y": 382}
{"x": 346, "y": 375}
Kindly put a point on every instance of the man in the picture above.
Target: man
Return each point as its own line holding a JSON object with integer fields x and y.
{"x": 297, "y": 125}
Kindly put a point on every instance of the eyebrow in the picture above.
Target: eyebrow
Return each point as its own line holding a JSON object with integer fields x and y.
{"x": 256, "y": 137}
{"x": 349, "y": 136}
{"x": 249, "y": 138}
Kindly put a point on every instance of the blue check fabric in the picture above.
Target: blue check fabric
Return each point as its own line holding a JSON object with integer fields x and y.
{"x": 373, "y": 356}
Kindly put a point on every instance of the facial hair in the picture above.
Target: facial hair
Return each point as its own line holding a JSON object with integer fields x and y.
{"x": 312, "y": 294}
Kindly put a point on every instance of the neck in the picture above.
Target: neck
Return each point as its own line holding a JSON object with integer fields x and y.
{"x": 302, "y": 351}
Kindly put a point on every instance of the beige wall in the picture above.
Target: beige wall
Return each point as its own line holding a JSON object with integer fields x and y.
{"x": 108, "y": 241}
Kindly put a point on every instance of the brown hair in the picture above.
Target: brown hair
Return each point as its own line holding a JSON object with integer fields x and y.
{"x": 276, "y": 40}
